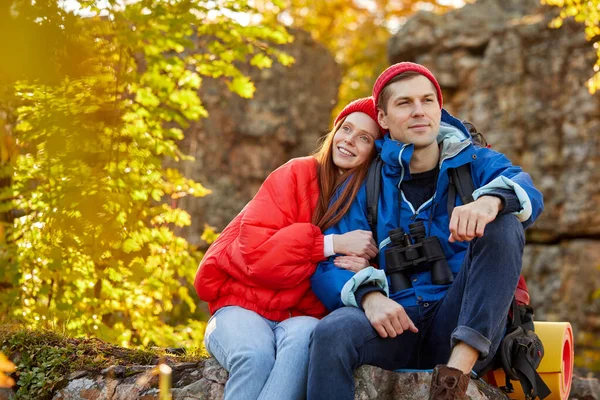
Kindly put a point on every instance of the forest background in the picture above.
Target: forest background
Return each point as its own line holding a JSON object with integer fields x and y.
{"x": 95, "y": 97}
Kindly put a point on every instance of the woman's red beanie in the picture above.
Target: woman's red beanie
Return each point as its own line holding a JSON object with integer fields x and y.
{"x": 365, "y": 105}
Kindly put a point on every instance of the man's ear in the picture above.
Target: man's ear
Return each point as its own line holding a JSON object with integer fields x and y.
{"x": 382, "y": 119}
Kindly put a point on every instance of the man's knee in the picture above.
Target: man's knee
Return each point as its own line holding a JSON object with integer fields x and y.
{"x": 505, "y": 230}
{"x": 325, "y": 332}
{"x": 337, "y": 329}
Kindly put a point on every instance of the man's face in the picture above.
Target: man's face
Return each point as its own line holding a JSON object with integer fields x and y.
{"x": 413, "y": 112}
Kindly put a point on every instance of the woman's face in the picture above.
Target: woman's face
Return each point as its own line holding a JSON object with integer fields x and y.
{"x": 354, "y": 141}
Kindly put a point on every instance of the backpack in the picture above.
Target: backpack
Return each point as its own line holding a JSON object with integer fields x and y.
{"x": 520, "y": 353}
{"x": 521, "y": 350}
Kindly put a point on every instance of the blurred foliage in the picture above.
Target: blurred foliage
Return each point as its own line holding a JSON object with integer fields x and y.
{"x": 587, "y": 355}
{"x": 357, "y": 33}
{"x": 209, "y": 235}
{"x": 588, "y": 13}
{"x": 91, "y": 105}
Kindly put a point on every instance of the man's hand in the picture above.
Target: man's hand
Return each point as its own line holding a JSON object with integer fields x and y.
{"x": 355, "y": 243}
{"x": 469, "y": 221}
{"x": 387, "y": 317}
{"x": 351, "y": 263}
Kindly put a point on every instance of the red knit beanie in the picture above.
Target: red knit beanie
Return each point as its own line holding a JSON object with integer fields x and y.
{"x": 365, "y": 105}
{"x": 399, "y": 68}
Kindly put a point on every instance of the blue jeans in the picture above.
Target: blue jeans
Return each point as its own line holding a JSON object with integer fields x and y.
{"x": 266, "y": 360}
{"x": 473, "y": 311}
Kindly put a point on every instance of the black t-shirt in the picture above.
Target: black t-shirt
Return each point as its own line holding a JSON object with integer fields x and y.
{"x": 421, "y": 187}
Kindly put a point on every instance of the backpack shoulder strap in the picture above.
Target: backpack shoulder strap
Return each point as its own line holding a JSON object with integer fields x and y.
{"x": 373, "y": 189}
{"x": 461, "y": 183}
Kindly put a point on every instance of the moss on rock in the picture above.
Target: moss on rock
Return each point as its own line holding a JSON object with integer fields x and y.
{"x": 46, "y": 359}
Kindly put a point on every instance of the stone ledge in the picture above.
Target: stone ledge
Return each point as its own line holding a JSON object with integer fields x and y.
{"x": 205, "y": 380}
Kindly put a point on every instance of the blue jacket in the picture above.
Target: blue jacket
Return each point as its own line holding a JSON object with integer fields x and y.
{"x": 490, "y": 171}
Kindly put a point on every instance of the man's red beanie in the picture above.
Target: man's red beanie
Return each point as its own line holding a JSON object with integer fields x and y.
{"x": 399, "y": 68}
{"x": 365, "y": 105}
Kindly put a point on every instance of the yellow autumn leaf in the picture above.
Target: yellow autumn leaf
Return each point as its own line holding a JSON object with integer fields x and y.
{"x": 243, "y": 86}
{"x": 6, "y": 366}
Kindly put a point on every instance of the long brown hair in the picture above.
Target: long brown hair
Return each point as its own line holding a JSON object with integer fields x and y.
{"x": 330, "y": 180}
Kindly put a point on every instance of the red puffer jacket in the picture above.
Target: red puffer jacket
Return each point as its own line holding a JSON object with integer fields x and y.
{"x": 264, "y": 258}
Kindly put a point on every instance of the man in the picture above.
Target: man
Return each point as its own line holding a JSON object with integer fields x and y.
{"x": 455, "y": 326}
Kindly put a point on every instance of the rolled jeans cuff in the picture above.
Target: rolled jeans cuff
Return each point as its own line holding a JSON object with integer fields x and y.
{"x": 473, "y": 338}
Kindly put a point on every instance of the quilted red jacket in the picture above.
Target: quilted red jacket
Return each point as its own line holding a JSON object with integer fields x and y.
{"x": 264, "y": 258}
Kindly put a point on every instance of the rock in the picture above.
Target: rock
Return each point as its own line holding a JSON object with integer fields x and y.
{"x": 585, "y": 389}
{"x": 562, "y": 281}
{"x": 6, "y": 394}
{"x": 371, "y": 384}
{"x": 83, "y": 389}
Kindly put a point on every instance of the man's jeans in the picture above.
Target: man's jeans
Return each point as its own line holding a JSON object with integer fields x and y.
{"x": 474, "y": 311}
{"x": 266, "y": 360}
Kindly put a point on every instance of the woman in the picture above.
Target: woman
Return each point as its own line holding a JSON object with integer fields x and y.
{"x": 255, "y": 276}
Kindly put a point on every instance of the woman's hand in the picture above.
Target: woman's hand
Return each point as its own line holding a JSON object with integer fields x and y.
{"x": 351, "y": 263}
{"x": 355, "y": 243}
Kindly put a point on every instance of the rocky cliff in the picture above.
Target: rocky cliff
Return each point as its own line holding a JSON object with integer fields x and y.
{"x": 523, "y": 85}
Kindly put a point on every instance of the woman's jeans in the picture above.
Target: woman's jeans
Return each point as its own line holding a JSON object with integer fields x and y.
{"x": 474, "y": 311}
{"x": 266, "y": 360}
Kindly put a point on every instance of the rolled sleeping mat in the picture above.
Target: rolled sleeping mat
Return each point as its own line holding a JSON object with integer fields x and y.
{"x": 556, "y": 368}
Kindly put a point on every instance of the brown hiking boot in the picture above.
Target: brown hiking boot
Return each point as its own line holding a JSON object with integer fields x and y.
{"x": 448, "y": 383}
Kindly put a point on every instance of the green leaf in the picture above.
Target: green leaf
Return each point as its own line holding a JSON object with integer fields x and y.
{"x": 157, "y": 194}
{"x": 285, "y": 59}
{"x": 190, "y": 79}
{"x": 130, "y": 245}
{"x": 139, "y": 195}
{"x": 261, "y": 61}
{"x": 243, "y": 86}
{"x": 145, "y": 97}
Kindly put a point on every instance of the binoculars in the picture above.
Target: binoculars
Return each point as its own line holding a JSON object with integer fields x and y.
{"x": 415, "y": 252}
